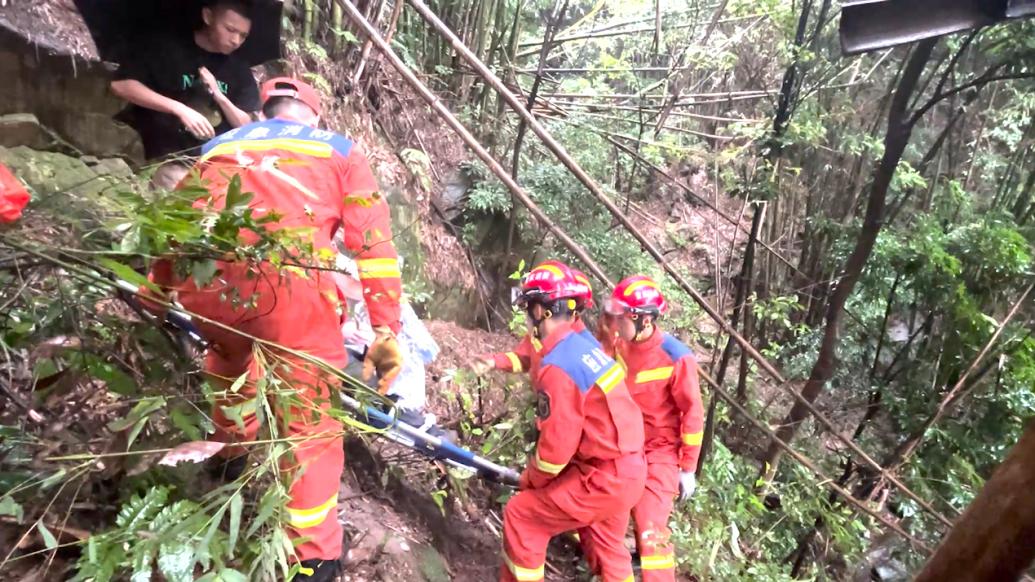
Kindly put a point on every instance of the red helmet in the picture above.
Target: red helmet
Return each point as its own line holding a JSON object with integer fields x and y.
{"x": 637, "y": 294}
{"x": 293, "y": 88}
{"x": 583, "y": 288}
{"x": 549, "y": 282}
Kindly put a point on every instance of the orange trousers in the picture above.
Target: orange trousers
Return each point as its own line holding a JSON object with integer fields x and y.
{"x": 650, "y": 516}
{"x": 294, "y": 313}
{"x": 596, "y": 504}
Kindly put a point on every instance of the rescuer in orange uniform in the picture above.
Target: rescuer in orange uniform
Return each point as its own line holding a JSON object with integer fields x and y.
{"x": 663, "y": 382}
{"x": 588, "y": 468}
{"x": 523, "y": 357}
{"x": 317, "y": 182}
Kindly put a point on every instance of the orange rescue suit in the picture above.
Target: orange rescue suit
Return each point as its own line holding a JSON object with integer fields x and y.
{"x": 663, "y": 380}
{"x": 587, "y": 470}
{"x": 317, "y": 182}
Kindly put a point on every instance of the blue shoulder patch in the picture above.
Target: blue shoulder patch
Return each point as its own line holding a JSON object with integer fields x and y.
{"x": 581, "y": 360}
{"x": 271, "y": 129}
{"x": 675, "y": 348}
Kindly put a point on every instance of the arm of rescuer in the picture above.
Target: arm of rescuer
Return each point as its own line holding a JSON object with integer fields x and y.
{"x": 517, "y": 360}
{"x": 559, "y": 419}
{"x": 367, "y": 234}
{"x": 686, "y": 391}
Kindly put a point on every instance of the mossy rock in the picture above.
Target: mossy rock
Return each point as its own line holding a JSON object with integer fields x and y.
{"x": 52, "y": 174}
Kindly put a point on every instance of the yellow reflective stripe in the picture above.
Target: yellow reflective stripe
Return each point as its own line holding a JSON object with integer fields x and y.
{"x": 515, "y": 362}
{"x": 632, "y": 288}
{"x": 629, "y": 579}
{"x": 244, "y": 408}
{"x": 645, "y": 376}
{"x": 378, "y": 268}
{"x": 545, "y": 466}
{"x": 386, "y": 274}
{"x": 609, "y": 379}
{"x": 524, "y": 574}
{"x": 538, "y": 345}
{"x": 299, "y": 146}
{"x": 693, "y": 439}
{"x": 658, "y": 562}
{"x": 550, "y": 268}
{"x": 314, "y": 516}
{"x": 305, "y": 571}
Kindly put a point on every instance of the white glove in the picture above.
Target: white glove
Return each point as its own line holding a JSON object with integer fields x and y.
{"x": 687, "y": 484}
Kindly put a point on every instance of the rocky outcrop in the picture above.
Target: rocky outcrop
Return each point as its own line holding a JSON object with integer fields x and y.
{"x": 65, "y": 91}
{"x": 52, "y": 173}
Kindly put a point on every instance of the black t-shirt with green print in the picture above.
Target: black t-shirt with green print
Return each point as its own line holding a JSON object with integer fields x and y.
{"x": 169, "y": 66}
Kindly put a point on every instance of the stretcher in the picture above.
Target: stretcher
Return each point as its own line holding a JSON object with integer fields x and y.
{"x": 380, "y": 422}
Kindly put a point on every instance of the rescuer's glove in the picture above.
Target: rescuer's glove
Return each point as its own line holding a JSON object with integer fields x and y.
{"x": 687, "y": 484}
{"x": 482, "y": 366}
{"x": 384, "y": 357}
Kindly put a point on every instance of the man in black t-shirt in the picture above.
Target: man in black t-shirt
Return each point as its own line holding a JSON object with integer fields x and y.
{"x": 186, "y": 90}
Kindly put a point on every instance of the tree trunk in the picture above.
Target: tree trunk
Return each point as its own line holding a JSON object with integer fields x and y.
{"x": 895, "y": 141}
{"x": 994, "y": 539}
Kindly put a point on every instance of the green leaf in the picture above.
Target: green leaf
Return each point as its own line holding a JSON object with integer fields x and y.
{"x": 203, "y": 271}
{"x": 238, "y": 383}
{"x": 213, "y": 527}
{"x": 114, "y": 379}
{"x": 48, "y": 538}
{"x": 131, "y": 242}
{"x": 8, "y": 506}
{"x": 176, "y": 562}
{"x": 224, "y": 575}
{"x": 127, "y": 274}
{"x": 141, "y": 411}
{"x": 186, "y": 423}
{"x": 267, "y": 505}
{"x": 236, "y": 505}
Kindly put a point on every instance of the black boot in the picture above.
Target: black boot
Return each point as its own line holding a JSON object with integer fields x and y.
{"x": 317, "y": 571}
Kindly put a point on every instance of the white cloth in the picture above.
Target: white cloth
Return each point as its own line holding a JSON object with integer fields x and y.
{"x": 687, "y": 485}
{"x": 418, "y": 347}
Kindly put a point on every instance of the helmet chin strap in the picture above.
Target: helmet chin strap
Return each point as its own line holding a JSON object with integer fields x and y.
{"x": 644, "y": 329}
{"x": 537, "y": 323}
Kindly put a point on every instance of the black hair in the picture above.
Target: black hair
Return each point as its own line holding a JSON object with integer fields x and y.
{"x": 274, "y": 106}
{"x": 242, "y": 7}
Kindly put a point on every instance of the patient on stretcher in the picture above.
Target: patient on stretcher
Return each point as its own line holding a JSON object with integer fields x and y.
{"x": 409, "y": 390}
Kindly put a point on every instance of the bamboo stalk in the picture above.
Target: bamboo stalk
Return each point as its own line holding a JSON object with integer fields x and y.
{"x": 655, "y": 110}
{"x": 603, "y": 70}
{"x": 494, "y": 166}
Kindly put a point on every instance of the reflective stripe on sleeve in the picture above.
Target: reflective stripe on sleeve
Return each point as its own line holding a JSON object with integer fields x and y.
{"x": 693, "y": 439}
{"x": 609, "y": 379}
{"x": 515, "y": 363}
{"x": 378, "y": 268}
{"x": 644, "y": 376}
{"x": 313, "y": 516}
{"x": 524, "y": 574}
{"x": 658, "y": 562}
{"x": 547, "y": 467}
